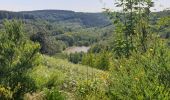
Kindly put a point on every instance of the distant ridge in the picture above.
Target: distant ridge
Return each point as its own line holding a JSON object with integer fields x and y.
{"x": 81, "y": 18}
{"x": 84, "y": 19}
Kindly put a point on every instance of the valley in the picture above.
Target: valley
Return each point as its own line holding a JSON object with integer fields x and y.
{"x": 68, "y": 55}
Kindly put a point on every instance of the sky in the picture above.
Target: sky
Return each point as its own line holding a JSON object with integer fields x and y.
{"x": 74, "y": 5}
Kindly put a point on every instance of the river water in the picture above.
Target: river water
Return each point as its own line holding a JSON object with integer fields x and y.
{"x": 75, "y": 49}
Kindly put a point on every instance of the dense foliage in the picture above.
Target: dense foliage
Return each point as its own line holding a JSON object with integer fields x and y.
{"x": 62, "y": 16}
{"x": 17, "y": 56}
{"x": 141, "y": 65}
{"x": 130, "y": 60}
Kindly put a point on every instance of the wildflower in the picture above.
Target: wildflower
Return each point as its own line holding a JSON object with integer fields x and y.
{"x": 151, "y": 50}
{"x": 136, "y": 78}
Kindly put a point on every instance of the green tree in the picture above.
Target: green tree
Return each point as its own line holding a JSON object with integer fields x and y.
{"x": 75, "y": 57}
{"x": 103, "y": 61}
{"x": 141, "y": 71}
{"x": 131, "y": 24}
{"x": 49, "y": 45}
{"x": 142, "y": 76}
{"x": 17, "y": 56}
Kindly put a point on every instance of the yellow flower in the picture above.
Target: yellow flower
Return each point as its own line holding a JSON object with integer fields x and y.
{"x": 151, "y": 50}
{"x": 136, "y": 78}
{"x": 104, "y": 76}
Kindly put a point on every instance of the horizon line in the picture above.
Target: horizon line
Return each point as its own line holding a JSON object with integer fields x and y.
{"x": 67, "y": 10}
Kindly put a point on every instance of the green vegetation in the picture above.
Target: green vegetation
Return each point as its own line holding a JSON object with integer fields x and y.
{"x": 65, "y": 76}
{"x": 127, "y": 60}
{"x": 141, "y": 65}
{"x": 17, "y": 57}
{"x": 99, "y": 60}
{"x": 75, "y": 57}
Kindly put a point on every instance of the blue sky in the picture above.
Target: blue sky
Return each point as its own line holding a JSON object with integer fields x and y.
{"x": 75, "y": 5}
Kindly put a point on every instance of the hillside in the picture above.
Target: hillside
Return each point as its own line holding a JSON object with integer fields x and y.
{"x": 67, "y": 55}
{"x": 62, "y": 29}
{"x": 83, "y": 19}
{"x": 65, "y": 75}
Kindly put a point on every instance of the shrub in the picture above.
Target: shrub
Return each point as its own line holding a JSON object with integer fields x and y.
{"x": 75, "y": 57}
{"x": 99, "y": 60}
{"x": 17, "y": 56}
{"x": 142, "y": 75}
{"x": 49, "y": 45}
{"x": 45, "y": 76}
{"x": 53, "y": 94}
{"x": 91, "y": 90}
{"x": 103, "y": 61}
{"x": 5, "y": 93}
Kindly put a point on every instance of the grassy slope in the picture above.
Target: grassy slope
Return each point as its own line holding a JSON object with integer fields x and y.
{"x": 76, "y": 71}
{"x": 65, "y": 75}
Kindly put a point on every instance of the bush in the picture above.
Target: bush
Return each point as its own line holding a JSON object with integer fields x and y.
{"x": 49, "y": 45}
{"x": 75, "y": 57}
{"x": 45, "y": 76}
{"x": 98, "y": 60}
{"x": 91, "y": 90}
{"x": 53, "y": 94}
{"x": 17, "y": 56}
{"x": 103, "y": 61}
{"x": 142, "y": 76}
{"x": 5, "y": 93}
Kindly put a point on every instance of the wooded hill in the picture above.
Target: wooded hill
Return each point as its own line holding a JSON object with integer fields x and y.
{"x": 83, "y": 19}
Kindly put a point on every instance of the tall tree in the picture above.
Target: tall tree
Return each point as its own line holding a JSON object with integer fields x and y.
{"x": 132, "y": 22}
